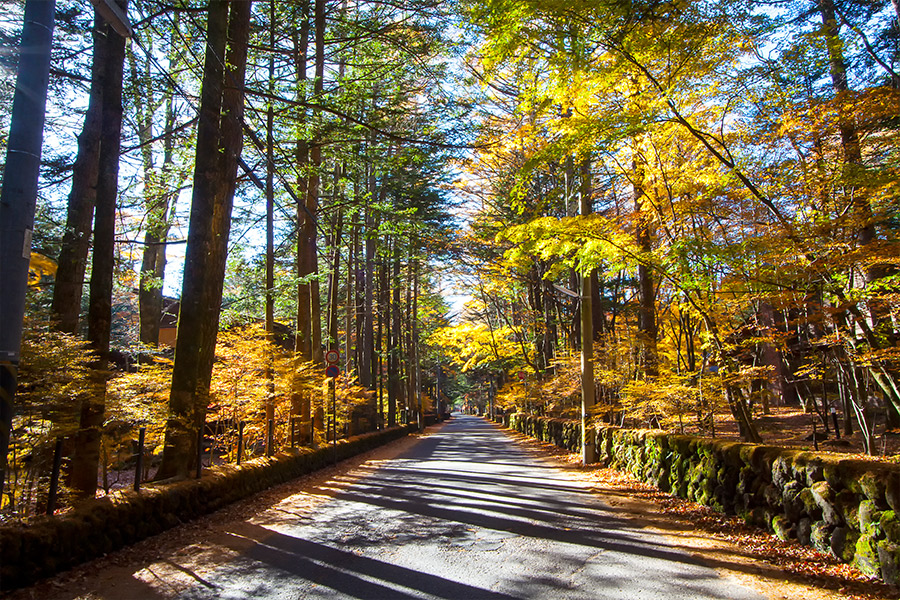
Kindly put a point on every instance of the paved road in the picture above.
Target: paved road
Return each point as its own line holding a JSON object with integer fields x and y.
{"x": 463, "y": 514}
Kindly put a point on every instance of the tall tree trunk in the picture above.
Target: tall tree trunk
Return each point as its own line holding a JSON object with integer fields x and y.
{"x": 270, "y": 232}
{"x": 373, "y": 222}
{"x": 315, "y": 311}
{"x": 334, "y": 284}
{"x": 597, "y": 302}
{"x": 72, "y": 260}
{"x": 740, "y": 410}
{"x": 854, "y": 171}
{"x": 394, "y": 337}
{"x": 647, "y": 326}
{"x": 366, "y": 356}
{"x": 17, "y": 199}
{"x": 416, "y": 358}
{"x": 536, "y": 303}
{"x": 219, "y": 143}
{"x": 407, "y": 354}
{"x": 86, "y": 453}
{"x": 550, "y": 333}
{"x": 384, "y": 330}
{"x": 158, "y": 197}
{"x": 305, "y": 218}
{"x": 300, "y": 400}
{"x": 779, "y": 385}
{"x": 153, "y": 269}
{"x": 384, "y": 340}
{"x": 351, "y": 342}
{"x": 574, "y": 326}
{"x": 849, "y": 135}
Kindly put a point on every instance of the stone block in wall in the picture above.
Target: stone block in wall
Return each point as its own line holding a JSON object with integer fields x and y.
{"x": 730, "y": 454}
{"x": 810, "y": 506}
{"x": 782, "y": 472}
{"x": 843, "y": 543}
{"x": 604, "y": 443}
{"x": 783, "y": 528}
{"x": 866, "y": 556}
{"x": 873, "y": 486}
{"x": 820, "y": 536}
{"x": 808, "y": 469}
{"x": 825, "y": 498}
{"x": 720, "y": 499}
{"x": 869, "y": 516}
{"x": 804, "y": 531}
{"x": 790, "y": 500}
{"x": 890, "y": 525}
{"x": 682, "y": 445}
{"x": 728, "y": 477}
{"x": 849, "y": 473}
{"x": 662, "y": 478}
{"x": 892, "y": 491}
{"x": 745, "y": 480}
{"x": 848, "y": 504}
{"x": 709, "y": 470}
{"x": 759, "y": 517}
{"x": 889, "y": 561}
{"x": 772, "y": 496}
{"x": 743, "y": 503}
{"x": 760, "y": 459}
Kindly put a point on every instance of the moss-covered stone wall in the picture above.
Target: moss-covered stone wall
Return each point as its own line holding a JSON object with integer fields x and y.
{"x": 844, "y": 506}
{"x": 48, "y": 545}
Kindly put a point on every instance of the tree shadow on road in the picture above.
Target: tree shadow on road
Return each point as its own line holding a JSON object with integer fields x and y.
{"x": 349, "y": 574}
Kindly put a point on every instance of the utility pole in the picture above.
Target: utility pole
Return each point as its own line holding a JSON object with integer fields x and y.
{"x": 17, "y": 199}
{"x": 437, "y": 391}
{"x": 588, "y": 451}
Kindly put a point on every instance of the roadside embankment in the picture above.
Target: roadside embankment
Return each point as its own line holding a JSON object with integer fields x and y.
{"x": 48, "y": 545}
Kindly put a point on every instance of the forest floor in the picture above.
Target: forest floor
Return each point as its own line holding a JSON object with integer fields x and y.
{"x": 791, "y": 427}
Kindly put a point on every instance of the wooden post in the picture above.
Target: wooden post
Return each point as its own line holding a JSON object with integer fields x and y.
{"x": 54, "y": 476}
{"x": 240, "y": 445}
{"x": 199, "y": 452}
{"x": 139, "y": 462}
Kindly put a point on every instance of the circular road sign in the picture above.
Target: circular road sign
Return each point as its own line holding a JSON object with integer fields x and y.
{"x": 522, "y": 375}
{"x": 332, "y": 356}
{"x": 332, "y": 371}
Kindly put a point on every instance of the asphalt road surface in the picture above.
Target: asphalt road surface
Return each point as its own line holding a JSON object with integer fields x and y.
{"x": 463, "y": 513}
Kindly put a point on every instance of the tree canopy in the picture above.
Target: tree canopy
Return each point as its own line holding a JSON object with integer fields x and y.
{"x": 716, "y": 181}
